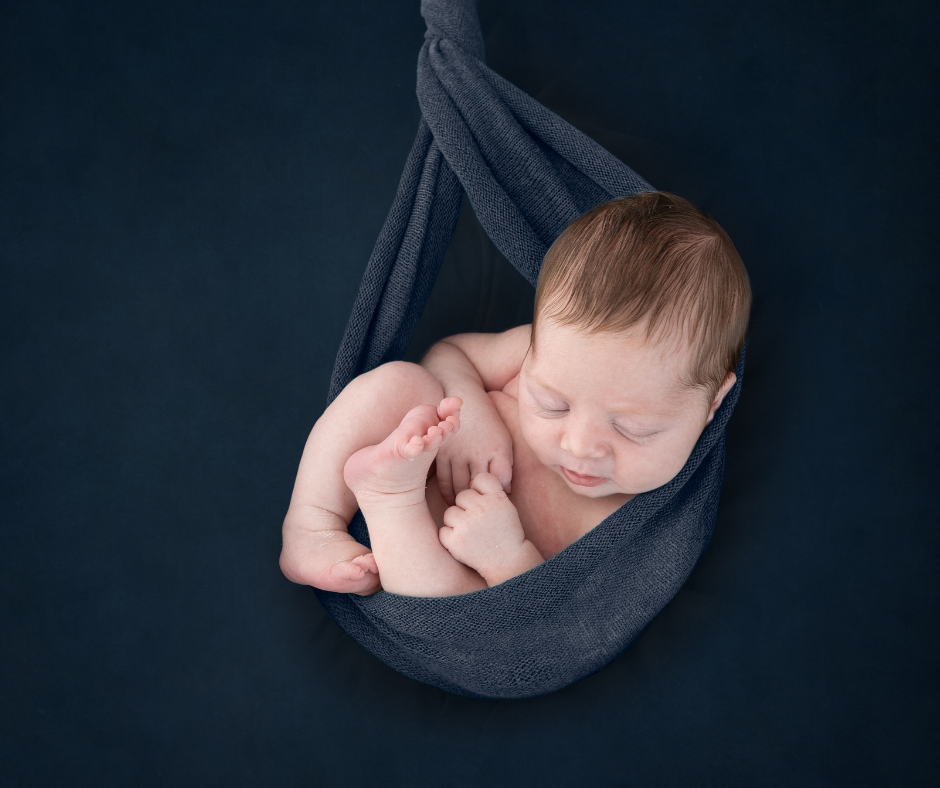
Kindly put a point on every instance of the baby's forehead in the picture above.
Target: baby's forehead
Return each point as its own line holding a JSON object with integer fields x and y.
{"x": 619, "y": 371}
{"x": 668, "y": 343}
{"x": 616, "y": 391}
{"x": 667, "y": 401}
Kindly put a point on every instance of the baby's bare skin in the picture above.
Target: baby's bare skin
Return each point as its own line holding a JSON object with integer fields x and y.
{"x": 570, "y": 431}
{"x": 372, "y": 450}
{"x": 477, "y": 542}
{"x": 552, "y": 517}
{"x": 317, "y": 549}
{"x": 592, "y": 419}
{"x": 388, "y": 480}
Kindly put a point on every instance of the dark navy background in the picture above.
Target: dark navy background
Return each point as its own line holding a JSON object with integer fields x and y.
{"x": 189, "y": 192}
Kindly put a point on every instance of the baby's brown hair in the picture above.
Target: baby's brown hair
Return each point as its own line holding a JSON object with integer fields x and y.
{"x": 651, "y": 258}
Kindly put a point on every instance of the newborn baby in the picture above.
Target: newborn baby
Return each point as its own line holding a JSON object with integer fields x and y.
{"x": 500, "y": 450}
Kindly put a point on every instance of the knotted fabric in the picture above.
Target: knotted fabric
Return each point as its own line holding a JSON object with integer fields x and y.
{"x": 527, "y": 174}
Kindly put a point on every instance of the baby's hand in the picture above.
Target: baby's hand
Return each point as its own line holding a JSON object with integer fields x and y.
{"x": 484, "y": 532}
{"x": 483, "y": 445}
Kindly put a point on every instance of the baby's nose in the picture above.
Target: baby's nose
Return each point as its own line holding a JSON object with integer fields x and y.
{"x": 582, "y": 440}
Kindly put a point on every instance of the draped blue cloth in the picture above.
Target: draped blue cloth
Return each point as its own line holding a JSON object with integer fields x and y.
{"x": 527, "y": 174}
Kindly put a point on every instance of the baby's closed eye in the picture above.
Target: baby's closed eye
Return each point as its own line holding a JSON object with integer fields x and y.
{"x": 548, "y": 405}
{"x": 635, "y": 435}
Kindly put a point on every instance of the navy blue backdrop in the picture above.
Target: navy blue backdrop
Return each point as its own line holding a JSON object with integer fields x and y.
{"x": 189, "y": 193}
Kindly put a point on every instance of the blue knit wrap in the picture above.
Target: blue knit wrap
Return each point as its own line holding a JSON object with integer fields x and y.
{"x": 527, "y": 174}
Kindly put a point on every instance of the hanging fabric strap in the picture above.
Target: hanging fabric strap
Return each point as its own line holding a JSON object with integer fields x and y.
{"x": 526, "y": 172}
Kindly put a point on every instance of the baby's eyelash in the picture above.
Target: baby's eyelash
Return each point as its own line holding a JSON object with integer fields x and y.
{"x": 641, "y": 439}
{"x": 542, "y": 409}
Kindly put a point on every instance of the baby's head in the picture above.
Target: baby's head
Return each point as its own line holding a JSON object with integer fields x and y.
{"x": 640, "y": 316}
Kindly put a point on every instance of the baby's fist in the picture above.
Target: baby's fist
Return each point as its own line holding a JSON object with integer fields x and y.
{"x": 484, "y": 532}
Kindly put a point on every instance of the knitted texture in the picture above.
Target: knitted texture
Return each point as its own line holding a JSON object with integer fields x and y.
{"x": 527, "y": 174}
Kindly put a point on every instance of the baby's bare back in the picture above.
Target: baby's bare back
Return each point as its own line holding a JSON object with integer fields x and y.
{"x": 552, "y": 515}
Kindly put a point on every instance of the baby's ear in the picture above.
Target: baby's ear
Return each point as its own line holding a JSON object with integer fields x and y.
{"x": 720, "y": 396}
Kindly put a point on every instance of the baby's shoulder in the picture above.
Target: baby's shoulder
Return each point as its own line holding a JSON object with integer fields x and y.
{"x": 497, "y": 358}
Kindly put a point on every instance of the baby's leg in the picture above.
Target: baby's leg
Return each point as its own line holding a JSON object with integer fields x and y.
{"x": 317, "y": 550}
{"x": 389, "y": 481}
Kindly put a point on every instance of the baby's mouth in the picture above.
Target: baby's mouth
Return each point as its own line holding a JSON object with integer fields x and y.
{"x": 582, "y": 481}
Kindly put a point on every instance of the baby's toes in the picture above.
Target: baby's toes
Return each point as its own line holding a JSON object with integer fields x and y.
{"x": 369, "y": 584}
{"x": 434, "y": 437}
{"x": 367, "y": 563}
{"x": 450, "y": 406}
{"x": 418, "y": 420}
{"x": 347, "y": 570}
{"x": 450, "y": 425}
{"x": 413, "y": 447}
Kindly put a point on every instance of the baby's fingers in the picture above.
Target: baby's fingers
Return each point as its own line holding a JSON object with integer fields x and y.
{"x": 501, "y": 468}
{"x": 465, "y": 499}
{"x": 461, "y": 476}
{"x": 445, "y": 535}
{"x": 445, "y": 480}
{"x": 455, "y": 517}
{"x": 487, "y": 484}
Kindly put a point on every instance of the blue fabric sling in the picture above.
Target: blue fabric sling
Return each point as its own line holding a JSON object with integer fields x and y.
{"x": 527, "y": 174}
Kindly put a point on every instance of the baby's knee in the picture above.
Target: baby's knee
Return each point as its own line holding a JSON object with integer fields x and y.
{"x": 402, "y": 380}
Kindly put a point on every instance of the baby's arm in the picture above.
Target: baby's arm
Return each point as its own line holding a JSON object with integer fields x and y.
{"x": 468, "y": 366}
{"x": 484, "y": 532}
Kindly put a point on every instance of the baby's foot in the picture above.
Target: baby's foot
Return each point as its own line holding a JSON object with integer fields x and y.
{"x": 317, "y": 551}
{"x": 399, "y": 465}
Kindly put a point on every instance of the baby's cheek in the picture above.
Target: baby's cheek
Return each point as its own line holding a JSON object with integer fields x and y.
{"x": 665, "y": 466}
{"x": 540, "y": 438}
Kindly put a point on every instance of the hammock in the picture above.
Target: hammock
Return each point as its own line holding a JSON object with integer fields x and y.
{"x": 527, "y": 174}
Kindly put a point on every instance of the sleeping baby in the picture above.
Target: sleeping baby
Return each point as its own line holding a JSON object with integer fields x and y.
{"x": 500, "y": 450}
